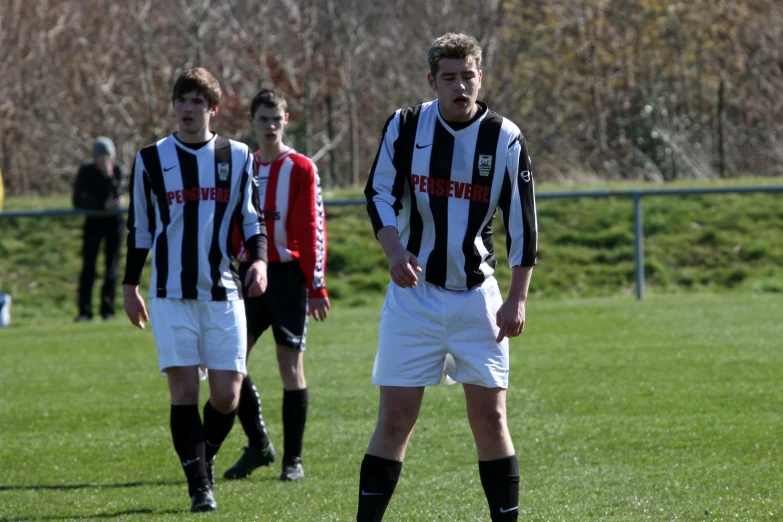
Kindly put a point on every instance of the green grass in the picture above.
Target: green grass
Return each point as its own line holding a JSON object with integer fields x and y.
{"x": 666, "y": 409}
{"x": 693, "y": 244}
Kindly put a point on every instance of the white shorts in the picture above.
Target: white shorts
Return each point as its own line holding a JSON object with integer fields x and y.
{"x": 420, "y": 325}
{"x": 192, "y": 332}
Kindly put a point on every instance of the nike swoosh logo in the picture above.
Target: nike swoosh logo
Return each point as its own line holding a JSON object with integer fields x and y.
{"x": 371, "y": 494}
{"x": 189, "y": 462}
{"x": 166, "y": 169}
{"x": 509, "y": 509}
{"x": 422, "y": 146}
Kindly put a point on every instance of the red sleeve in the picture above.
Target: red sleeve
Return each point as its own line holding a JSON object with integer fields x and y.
{"x": 309, "y": 228}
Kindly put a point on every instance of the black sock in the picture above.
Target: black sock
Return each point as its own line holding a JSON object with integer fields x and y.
{"x": 187, "y": 432}
{"x": 376, "y": 485}
{"x": 500, "y": 479}
{"x": 294, "y": 418}
{"x": 216, "y": 427}
{"x": 249, "y": 414}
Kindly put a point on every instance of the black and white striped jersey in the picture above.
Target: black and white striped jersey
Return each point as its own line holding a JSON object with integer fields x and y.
{"x": 440, "y": 188}
{"x": 181, "y": 205}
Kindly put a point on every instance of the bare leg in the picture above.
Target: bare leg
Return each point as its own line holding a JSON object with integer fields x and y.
{"x": 498, "y": 465}
{"x": 487, "y": 416}
{"x": 290, "y": 361}
{"x": 397, "y": 413}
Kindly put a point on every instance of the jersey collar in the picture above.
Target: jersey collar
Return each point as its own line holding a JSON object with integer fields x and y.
{"x": 286, "y": 152}
{"x": 467, "y": 130}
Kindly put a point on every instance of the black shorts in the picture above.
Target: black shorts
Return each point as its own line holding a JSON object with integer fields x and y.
{"x": 283, "y": 306}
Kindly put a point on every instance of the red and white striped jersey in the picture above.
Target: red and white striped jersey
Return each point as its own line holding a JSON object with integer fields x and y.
{"x": 289, "y": 190}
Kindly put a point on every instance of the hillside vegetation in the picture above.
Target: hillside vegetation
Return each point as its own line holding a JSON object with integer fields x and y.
{"x": 706, "y": 243}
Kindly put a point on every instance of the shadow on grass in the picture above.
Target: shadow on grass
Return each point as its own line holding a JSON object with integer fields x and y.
{"x": 66, "y": 487}
{"x": 143, "y": 511}
{"x": 109, "y": 516}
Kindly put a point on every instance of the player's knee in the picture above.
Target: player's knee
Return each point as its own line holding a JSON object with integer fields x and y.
{"x": 225, "y": 399}
{"x": 184, "y": 393}
{"x": 286, "y": 367}
{"x": 396, "y": 422}
{"x": 290, "y": 371}
{"x": 489, "y": 419}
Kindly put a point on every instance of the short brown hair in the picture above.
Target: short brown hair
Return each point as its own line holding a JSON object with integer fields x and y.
{"x": 457, "y": 46}
{"x": 200, "y": 80}
{"x": 269, "y": 98}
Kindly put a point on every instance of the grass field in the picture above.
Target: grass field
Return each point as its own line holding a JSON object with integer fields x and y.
{"x": 667, "y": 409}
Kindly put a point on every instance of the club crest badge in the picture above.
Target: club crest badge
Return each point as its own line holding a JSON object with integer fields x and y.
{"x": 222, "y": 171}
{"x": 526, "y": 176}
{"x": 484, "y": 164}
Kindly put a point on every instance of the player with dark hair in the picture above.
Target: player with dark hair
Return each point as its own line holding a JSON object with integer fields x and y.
{"x": 186, "y": 190}
{"x": 290, "y": 193}
{"x": 442, "y": 170}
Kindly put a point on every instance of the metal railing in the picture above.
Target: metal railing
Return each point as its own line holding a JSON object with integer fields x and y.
{"x": 638, "y": 227}
{"x": 635, "y": 194}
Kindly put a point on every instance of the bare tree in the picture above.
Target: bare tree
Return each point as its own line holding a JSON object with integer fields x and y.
{"x": 600, "y": 89}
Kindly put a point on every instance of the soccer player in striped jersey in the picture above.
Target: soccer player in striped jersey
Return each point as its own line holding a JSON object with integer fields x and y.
{"x": 442, "y": 170}
{"x": 185, "y": 191}
{"x": 290, "y": 194}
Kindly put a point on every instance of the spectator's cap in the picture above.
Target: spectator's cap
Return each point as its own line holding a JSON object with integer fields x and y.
{"x": 102, "y": 145}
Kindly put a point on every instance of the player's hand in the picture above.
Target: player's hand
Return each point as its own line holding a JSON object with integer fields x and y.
{"x": 134, "y": 306}
{"x": 255, "y": 280}
{"x": 319, "y": 307}
{"x": 403, "y": 267}
{"x": 510, "y": 319}
{"x": 112, "y": 203}
{"x": 115, "y": 203}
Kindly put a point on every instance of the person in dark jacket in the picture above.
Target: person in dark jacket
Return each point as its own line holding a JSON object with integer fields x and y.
{"x": 99, "y": 186}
